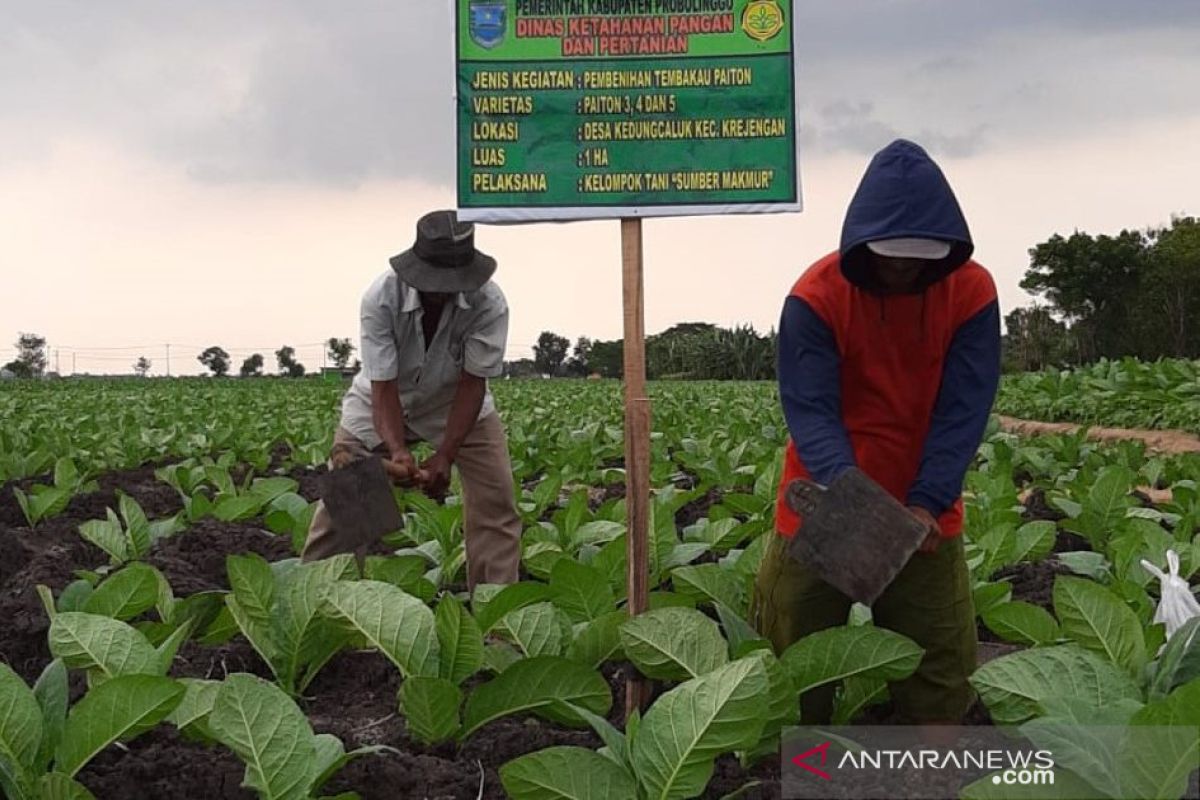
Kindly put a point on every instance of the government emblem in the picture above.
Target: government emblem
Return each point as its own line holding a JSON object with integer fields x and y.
{"x": 488, "y": 22}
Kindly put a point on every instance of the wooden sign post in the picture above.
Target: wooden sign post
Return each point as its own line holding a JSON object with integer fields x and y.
{"x": 569, "y": 112}
{"x": 637, "y": 440}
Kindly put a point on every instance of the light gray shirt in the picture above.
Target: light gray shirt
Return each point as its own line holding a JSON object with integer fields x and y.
{"x": 471, "y": 335}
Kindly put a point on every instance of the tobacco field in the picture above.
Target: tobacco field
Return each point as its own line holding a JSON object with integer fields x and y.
{"x": 160, "y": 639}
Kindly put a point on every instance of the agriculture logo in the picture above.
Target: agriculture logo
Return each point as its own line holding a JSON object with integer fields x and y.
{"x": 489, "y": 20}
{"x": 762, "y": 19}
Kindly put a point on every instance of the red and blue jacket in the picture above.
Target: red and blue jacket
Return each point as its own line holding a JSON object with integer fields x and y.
{"x": 900, "y": 386}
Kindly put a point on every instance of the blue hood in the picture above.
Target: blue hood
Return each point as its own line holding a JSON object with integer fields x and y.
{"x": 903, "y": 193}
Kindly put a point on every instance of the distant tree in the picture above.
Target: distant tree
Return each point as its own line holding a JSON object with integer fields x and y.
{"x": 521, "y": 368}
{"x": 288, "y": 365}
{"x": 142, "y": 366}
{"x": 738, "y": 354}
{"x": 340, "y": 351}
{"x": 31, "y": 356}
{"x": 215, "y": 359}
{"x": 550, "y": 352}
{"x": 702, "y": 351}
{"x": 1035, "y": 340}
{"x": 578, "y": 364}
{"x": 252, "y": 367}
{"x": 285, "y": 357}
{"x": 607, "y": 359}
{"x": 676, "y": 352}
{"x": 689, "y": 329}
{"x": 1091, "y": 282}
{"x": 1168, "y": 306}
{"x": 1130, "y": 294}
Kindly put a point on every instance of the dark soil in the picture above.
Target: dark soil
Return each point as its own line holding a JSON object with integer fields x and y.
{"x": 156, "y": 499}
{"x": 354, "y": 697}
{"x": 51, "y": 554}
{"x": 194, "y": 561}
{"x": 885, "y": 713}
{"x": 214, "y": 663}
{"x": 612, "y": 491}
{"x": 16, "y": 555}
{"x": 1143, "y": 499}
{"x": 618, "y": 674}
{"x": 162, "y": 765}
{"x": 1067, "y": 542}
{"x": 729, "y": 776}
{"x": 984, "y": 634}
{"x": 990, "y": 651}
{"x": 1033, "y": 583}
{"x": 697, "y": 509}
{"x": 307, "y": 478}
{"x": 1022, "y": 477}
{"x": 1036, "y": 508}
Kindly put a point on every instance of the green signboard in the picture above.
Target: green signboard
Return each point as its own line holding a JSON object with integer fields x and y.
{"x": 588, "y": 109}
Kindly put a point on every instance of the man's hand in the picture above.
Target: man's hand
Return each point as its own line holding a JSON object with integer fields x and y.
{"x": 464, "y": 411}
{"x": 401, "y": 468}
{"x": 434, "y": 477}
{"x": 933, "y": 538}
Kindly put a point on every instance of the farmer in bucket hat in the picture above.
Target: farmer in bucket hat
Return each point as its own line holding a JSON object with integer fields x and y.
{"x": 434, "y": 329}
{"x": 889, "y": 361}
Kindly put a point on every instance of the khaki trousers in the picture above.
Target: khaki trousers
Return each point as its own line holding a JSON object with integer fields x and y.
{"x": 491, "y": 525}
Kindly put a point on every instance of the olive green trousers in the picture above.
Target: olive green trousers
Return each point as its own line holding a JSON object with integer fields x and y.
{"x": 929, "y": 602}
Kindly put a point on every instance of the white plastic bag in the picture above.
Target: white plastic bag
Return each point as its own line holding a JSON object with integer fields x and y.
{"x": 1176, "y": 603}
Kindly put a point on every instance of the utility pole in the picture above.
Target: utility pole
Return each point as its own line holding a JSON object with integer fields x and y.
{"x": 56, "y": 369}
{"x": 168, "y": 360}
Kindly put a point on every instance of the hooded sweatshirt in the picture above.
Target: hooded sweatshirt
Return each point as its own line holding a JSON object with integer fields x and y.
{"x": 900, "y": 386}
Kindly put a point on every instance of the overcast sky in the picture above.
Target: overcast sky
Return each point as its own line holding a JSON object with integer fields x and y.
{"x": 236, "y": 173}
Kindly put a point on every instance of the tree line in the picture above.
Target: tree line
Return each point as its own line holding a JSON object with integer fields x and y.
{"x": 1136, "y": 293}
{"x": 688, "y": 351}
{"x": 216, "y": 360}
{"x": 31, "y": 360}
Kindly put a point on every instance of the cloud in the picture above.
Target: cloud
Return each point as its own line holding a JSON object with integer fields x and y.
{"x": 337, "y": 94}
{"x": 276, "y": 92}
{"x": 857, "y": 128}
{"x": 343, "y": 98}
{"x": 888, "y": 28}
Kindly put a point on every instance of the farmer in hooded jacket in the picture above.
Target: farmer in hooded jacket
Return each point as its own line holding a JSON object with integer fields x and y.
{"x": 889, "y": 360}
{"x": 434, "y": 330}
